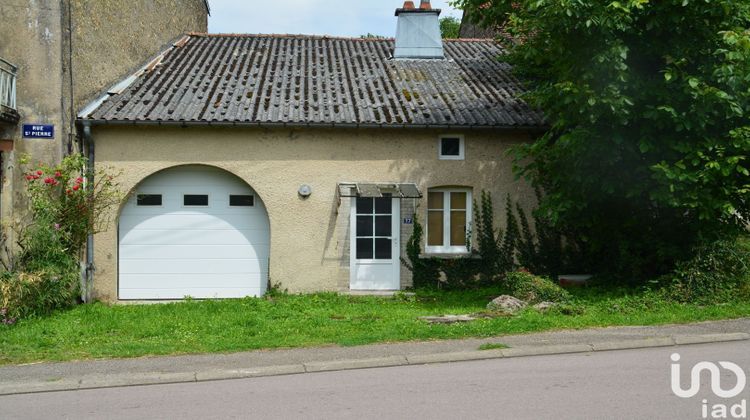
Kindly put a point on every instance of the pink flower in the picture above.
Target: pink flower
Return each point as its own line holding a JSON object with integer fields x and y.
{"x": 58, "y": 174}
{"x": 48, "y": 180}
{"x": 39, "y": 173}
{"x": 76, "y": 187}
{"x": 57, "y": 226}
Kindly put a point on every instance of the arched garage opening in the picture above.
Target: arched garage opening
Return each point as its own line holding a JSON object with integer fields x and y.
{"x": 195, "y": 231}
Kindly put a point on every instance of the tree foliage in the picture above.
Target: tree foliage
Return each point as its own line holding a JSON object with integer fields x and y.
{"x": 449, "y": 27}
{"x": 648, "y": 102}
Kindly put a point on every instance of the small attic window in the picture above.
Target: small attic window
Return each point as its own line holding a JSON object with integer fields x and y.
{"x": 451, "y": 147}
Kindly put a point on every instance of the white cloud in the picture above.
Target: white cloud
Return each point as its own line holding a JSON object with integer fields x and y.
{"x": 321, "y": 17}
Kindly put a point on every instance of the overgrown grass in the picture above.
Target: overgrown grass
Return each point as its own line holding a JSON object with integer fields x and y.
{"x": 119, "y": 331}
{"x": 492, "y": 346}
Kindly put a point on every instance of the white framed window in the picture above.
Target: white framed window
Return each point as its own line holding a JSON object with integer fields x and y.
{"x": 451, "y": 147}
{"x": 448, "y": 220}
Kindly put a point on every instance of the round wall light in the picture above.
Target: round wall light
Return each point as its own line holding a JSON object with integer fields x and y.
{"x": 304, "y": 191}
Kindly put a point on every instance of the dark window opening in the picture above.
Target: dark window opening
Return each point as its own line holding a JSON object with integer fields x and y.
{"x": 450, "y": 147}
{"x": 241, "y": 200}
{"x": 195, "y": 200}
{"x": 148, "y": 200}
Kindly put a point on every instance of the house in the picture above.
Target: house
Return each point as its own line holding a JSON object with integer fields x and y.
{"x": 58, "y": 55}
{"x": 302, "y": 161}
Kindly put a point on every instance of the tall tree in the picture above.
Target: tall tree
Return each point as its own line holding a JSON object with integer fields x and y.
{"x": 648, "y": 103}
{"x": 449, "y": 27}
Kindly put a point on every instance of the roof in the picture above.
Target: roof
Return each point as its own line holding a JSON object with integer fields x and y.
{"x": 300, "y": 80}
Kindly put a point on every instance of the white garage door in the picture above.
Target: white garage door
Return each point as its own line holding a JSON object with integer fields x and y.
{"x": 193, "y": 231}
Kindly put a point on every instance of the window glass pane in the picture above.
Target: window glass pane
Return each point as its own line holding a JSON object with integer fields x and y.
{"x": 450, "y": 147}
{"x": 241, "y": 200}
{"x": 435, "y": 228}
{"x": 458, "y": 228}
{"x": 382, "y": 249}
{"x": 364, "y": 248}
{"x": 195, "y": 200}
{"x": 364, "y": 225}
{"x": 383, "y": 205}
{"x": 364, "y": 205}
{"x": 434, "y": 200}
{"x": 458, "y": 200}
{"x": 148, "y": 200}
{"x": 382, "y": 225}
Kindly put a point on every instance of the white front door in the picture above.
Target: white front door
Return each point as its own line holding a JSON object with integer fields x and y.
{"x": 375, "y": 253}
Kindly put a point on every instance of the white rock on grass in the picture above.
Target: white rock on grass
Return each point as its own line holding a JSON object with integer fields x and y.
{"x": 507, "y": 304}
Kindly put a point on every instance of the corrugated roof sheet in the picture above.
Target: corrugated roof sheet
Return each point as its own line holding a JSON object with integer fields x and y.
{"x": 309, "y": 80}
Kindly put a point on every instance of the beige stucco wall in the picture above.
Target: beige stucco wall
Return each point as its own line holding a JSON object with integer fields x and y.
{"x": 309, "y": 237}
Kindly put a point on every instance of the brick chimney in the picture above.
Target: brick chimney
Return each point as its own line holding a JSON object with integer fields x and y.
{"x": 418, "y": 32}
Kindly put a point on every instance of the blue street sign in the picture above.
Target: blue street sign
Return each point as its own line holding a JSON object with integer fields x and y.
{"x": 38, "y": 131}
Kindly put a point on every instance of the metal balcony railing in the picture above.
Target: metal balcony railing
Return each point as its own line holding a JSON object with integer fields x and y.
{"x": 7, "y": 85}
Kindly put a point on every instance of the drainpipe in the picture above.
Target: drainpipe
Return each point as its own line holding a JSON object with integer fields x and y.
{"x": 88, "y": 278}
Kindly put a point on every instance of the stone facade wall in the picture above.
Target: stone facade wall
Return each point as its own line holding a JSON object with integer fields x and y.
{"x": 102, "y": 41}
{"x": 31, "y": 38}
{"x": 113, "y": 38}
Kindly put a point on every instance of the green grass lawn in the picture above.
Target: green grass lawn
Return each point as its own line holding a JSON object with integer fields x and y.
{"x": 103, "y": 331}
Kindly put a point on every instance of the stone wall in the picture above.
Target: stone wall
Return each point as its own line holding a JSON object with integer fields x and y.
{"x": 113, "y": 38}
{"x": 31, "y": 38}
{"x": 102, "y": 41}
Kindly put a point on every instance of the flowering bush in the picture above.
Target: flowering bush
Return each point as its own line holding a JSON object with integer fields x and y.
{"x": 44, "y": 272}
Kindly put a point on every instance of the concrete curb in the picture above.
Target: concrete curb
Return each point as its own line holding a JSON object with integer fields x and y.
{"x": 156, "y": 378}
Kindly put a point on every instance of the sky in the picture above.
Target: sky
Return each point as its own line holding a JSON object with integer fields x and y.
{"x": 318, "y": 17}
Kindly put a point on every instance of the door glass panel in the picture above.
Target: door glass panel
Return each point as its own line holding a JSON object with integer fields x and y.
{"x": 382, "y": 249}
{"x": 435, "y": 228}
{"x": 458, "y": 201}
{"x": 195, "y": 200}
{"x": 382, "y": 225}
{"x": 434, "y": 200}
{"x": 241, "y": 200}
{"x": 364, "y": 225}
{"x": 364, "y": 205}
{"x": 383, "y": 205}
{"x": 148, "y": 200}
{"x": 458, "y": 228}
{"x": 364, "y": 248}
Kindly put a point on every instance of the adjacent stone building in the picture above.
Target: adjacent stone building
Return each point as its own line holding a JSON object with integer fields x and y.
{"x": 57, "y": 55}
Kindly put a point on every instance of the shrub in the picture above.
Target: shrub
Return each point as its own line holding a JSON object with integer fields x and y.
{"x": 497, "y": 250}
{"x": 25, "y": 294}
{"x": 533, "y": 289}
{"x": 425, "y": 271}
{"x": 43, "y": 273}
{"x": 719, "y": 271}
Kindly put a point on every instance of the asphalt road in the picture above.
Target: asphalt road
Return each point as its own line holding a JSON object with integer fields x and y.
{"x": 617, "y": 384}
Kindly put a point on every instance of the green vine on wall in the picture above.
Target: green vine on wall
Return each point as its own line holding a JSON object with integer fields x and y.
{"x": 497, "y": 251}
